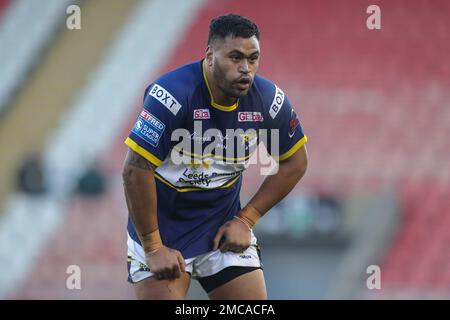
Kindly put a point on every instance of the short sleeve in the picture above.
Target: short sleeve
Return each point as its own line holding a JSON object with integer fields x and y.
{"x": 161, "y": 114}
{"x": 285, "y": 132}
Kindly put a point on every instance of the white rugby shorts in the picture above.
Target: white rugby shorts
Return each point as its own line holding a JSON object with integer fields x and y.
{"x": 200, "y": 266}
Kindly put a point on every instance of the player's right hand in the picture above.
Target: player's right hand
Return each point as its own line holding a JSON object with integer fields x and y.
{"x": 165, "y": 263}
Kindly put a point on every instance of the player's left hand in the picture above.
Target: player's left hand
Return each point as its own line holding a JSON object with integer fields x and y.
{"x": 236, "y": 234}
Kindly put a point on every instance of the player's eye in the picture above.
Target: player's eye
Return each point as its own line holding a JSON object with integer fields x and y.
{"x": 235, "y": 58}
{"x": 253, "y": 59}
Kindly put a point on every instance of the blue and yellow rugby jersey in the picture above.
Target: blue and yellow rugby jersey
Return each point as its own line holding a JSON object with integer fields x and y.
{"x": 181, "y": 121}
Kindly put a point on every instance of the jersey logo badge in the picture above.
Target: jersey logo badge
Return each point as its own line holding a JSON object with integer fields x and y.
{"x": 166, "y": 99}
{"x": 277, "y": 102}
{"x": 293, "y": 123}
{"x": 201, "y": 114}
{"x": 250, "y": 117}
{"x": 149, "y": 128}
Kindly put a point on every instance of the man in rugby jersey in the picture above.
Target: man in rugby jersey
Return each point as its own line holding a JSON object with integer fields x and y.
{"x": 183, "y": 171}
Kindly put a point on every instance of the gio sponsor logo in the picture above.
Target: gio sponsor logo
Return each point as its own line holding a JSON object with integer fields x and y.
{"x": 201, "y": 114}
{"x": 250, "y": 116}
{"x": 163, "y": 96}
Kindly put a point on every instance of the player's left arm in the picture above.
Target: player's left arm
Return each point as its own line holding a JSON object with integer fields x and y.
{"x": 277, "y": 186}
{"x": 273, "y": 190}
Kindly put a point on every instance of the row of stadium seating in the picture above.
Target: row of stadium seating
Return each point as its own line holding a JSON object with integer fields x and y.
{"x": 43, "y": 104}
{"x": 26, "y": 29}
{"x": 419, "y": 257}
{"x": 84, "y": 135}
{"x": 3, "y": 5}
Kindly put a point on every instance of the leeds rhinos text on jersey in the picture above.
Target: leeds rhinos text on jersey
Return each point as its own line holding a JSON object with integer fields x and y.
{"x": 201, "y": 148}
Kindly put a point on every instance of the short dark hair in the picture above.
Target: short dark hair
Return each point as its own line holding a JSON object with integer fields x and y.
{"x": 231, "y": 25}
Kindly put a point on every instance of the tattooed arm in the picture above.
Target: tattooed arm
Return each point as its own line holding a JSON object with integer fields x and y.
{"x": 140, "y": 194}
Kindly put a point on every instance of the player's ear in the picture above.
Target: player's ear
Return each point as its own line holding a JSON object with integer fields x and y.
{"x": 209, "y": 55}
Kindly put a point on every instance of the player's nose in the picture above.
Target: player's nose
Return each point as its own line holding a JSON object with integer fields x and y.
{"x": 243, "y": 67}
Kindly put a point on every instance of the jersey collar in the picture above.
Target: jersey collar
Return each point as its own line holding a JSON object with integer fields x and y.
{"x": 213, "y": 103}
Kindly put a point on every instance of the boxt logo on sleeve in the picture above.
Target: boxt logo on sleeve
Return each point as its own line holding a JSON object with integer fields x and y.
{"x": 163, "y": 96}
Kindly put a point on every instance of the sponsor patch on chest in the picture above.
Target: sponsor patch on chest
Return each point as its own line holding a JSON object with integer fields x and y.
{"x": 201, "y": 114}
{"x": 250, "y": 116}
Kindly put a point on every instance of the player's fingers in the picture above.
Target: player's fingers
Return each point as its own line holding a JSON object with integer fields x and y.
{"x": 181, "y": 262}
{"x": 237, "y": 249}
{"x": 241, "y": 249}
{"x": 168, "y": 273}
{"x": 225, "y": 246}
{"x": 176, "y": 271}
{"x": 217, "y": 238}
{"x": 160, "y": 274}
{"x": 156, "y": 273}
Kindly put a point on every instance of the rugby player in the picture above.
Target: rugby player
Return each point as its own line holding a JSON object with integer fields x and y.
{"x": 185, "y": 217}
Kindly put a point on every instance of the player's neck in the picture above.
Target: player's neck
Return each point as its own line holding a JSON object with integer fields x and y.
{"x": 218, "y": 96}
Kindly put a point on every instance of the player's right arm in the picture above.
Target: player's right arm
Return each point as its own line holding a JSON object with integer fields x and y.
{"x": 150, "y": 143}
{"x": 140, "y": 194}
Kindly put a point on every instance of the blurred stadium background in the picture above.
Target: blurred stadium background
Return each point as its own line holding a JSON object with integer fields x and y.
{"x": 374, "y": 103}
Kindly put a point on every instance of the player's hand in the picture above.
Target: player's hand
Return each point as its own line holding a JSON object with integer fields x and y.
{"x": 236, "y": 234}
{"x": 166, "y": 263}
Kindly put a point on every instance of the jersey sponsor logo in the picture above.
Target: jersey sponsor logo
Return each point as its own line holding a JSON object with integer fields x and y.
{"x": 163, "y": 96}
{"x": 250, "y": 116}
{"x": 153, "y": 120}
{"x": 277, "y": 102}
{"x": 201, "y": 114}
{"x": 192, "y": 176}
{"x": 293, "y": 123}
{"x": 149, "y": 128}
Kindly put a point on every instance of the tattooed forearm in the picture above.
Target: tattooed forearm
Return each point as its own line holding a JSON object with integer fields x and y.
{"x": 136, "y": 160}
{"x": 140, "y": 192}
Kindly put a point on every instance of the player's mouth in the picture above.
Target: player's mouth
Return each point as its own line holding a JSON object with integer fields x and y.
{"x": 243, "y": 83}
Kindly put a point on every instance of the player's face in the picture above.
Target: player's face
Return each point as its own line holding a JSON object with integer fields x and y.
{"x": 235, "y": 62}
